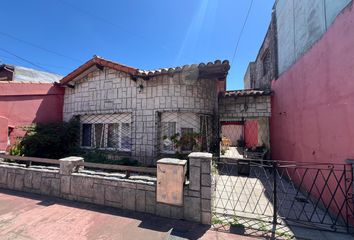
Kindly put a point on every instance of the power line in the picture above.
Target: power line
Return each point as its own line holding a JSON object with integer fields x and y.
{"x": 39, "y": 47}
{"x": 39, "y": 63}
{"x": 25, "y": 60}
{"x": 241, "y": 32}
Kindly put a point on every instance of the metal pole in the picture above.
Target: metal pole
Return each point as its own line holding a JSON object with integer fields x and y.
{"x": 275, "y": 193}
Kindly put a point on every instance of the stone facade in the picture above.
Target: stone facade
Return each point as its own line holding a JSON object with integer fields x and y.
{"x": 137, "y": 193}
{"x": 246, "y": 107}
{"x": 109, "y": 91}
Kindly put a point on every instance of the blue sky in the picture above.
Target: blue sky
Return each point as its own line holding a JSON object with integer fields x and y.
{"x": 60, "y": 35}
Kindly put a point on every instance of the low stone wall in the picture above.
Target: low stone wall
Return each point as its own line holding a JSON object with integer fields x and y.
{"x": 138, "y": 193}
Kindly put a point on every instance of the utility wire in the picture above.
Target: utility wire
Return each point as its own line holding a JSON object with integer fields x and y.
{"x": 24, "y": 59}
{"x": 39, "y": 47}
{"x": 39, "y": 63}
{"x": 241, "y": 32}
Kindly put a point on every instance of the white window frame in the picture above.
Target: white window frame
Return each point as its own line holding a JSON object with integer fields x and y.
{"x": 105, "y": 120}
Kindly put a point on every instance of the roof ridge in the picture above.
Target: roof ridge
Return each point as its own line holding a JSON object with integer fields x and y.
{"x": 98, "y": 60}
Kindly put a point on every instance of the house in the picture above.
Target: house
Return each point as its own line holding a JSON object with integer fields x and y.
{"x": 141, "y": 114}
{"x": 313, "y": 92}
{"x": 310, "y": 75}
{"x": 27, "y": 96}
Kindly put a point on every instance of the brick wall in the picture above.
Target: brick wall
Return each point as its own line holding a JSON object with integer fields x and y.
{"x": 111, "y": 91}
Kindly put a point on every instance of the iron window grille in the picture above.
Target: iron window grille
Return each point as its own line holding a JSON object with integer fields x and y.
{"x": 106, "y": 132}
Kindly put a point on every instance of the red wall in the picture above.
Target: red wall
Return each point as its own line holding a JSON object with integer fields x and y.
{"x": 313, "y": 103}
{"x": 26, "y": 103}
{"x": 251, "y": 133}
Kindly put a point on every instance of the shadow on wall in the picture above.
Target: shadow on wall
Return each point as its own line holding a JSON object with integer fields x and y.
{"x": 25, "y": 104}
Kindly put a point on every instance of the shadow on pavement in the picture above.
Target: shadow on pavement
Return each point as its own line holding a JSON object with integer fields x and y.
{"x": 175, "y": 227}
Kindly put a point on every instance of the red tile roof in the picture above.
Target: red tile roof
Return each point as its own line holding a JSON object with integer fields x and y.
{"x": 97, "y": 61}
{"x": 246, "y": 92}
{"x": 222, "y": 65}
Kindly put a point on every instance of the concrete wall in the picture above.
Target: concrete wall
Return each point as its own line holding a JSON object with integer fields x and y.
{"x": 264, "y": 69}
{"x": 249, "y": 76}
{"x": 110, "y": 91}
{"x": 301, "y": 23}
{"x": 313, "y": 102}
{"x": 26, "y": 103}
{"x": 138, "y": 193}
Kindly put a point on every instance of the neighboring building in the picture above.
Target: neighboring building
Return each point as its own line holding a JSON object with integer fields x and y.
{"x": 313, "y": 96}
{"x": 301, "y": 24}
{"x": 135, "y": 113}
{"x": 308, "y": 76}
{"x": 26, "y": 75}
{"x": 27, "y": 96}
{"x": 263, "y": 70}
{"x": 313, "y": 100}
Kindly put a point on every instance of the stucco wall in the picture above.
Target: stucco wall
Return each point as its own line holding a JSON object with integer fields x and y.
{"x": 110, "y": 91}
{"x": 313, "y": 102}
{"x": 300, "y": 24}
{"x": 26, "y": 103}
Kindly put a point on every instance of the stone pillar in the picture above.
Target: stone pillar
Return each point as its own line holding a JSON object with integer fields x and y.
{"x": 69, "y": 165}
{"x": 198, "y": 200}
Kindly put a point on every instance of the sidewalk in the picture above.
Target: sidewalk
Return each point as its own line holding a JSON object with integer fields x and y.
{"x": 26, "y": 216}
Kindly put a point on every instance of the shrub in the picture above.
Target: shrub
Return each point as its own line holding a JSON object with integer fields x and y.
{"x": 53, "y": 140}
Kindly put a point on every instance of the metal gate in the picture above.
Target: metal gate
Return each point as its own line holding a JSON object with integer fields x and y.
{"x": 263, "y": 193}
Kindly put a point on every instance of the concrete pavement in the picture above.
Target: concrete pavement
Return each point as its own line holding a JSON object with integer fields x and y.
{"x": 26, "y": 216}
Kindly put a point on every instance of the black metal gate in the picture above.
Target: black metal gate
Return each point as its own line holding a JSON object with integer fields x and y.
{"x": 316, "y": 195}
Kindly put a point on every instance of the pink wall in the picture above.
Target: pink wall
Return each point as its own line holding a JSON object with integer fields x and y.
{"x": 26, "y": 103}
{"x": 251, "y": 133}
{"x": 313, "y": 103}
{"x": 232, "y": 131}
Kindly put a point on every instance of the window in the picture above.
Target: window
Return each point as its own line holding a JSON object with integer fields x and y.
{"x": 168, "y": 132}
{"x": 113, "y": 135}
{"x": 86, "y": 135}
{"x": 99, "y": 135}
{"x": 187, "y": 139}
{"x": 106, "y": 134}
{"x": 126, "y": 141}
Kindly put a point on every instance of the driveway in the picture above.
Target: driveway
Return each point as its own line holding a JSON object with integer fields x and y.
{"x": 29, "y": 216}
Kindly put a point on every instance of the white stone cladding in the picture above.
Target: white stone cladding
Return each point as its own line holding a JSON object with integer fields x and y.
{"x": 109, "y": 91}
{"x": 246, "y": 107}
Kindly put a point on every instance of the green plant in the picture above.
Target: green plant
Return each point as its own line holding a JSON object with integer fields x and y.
{"x": 53, "y": 140}
{"x": 16, "y": 149}
{"x": 263, "y": 227}
{"x": 191, "y": 141}
{"x": 215, "y": 220}
{"x": 285, "y": 235}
